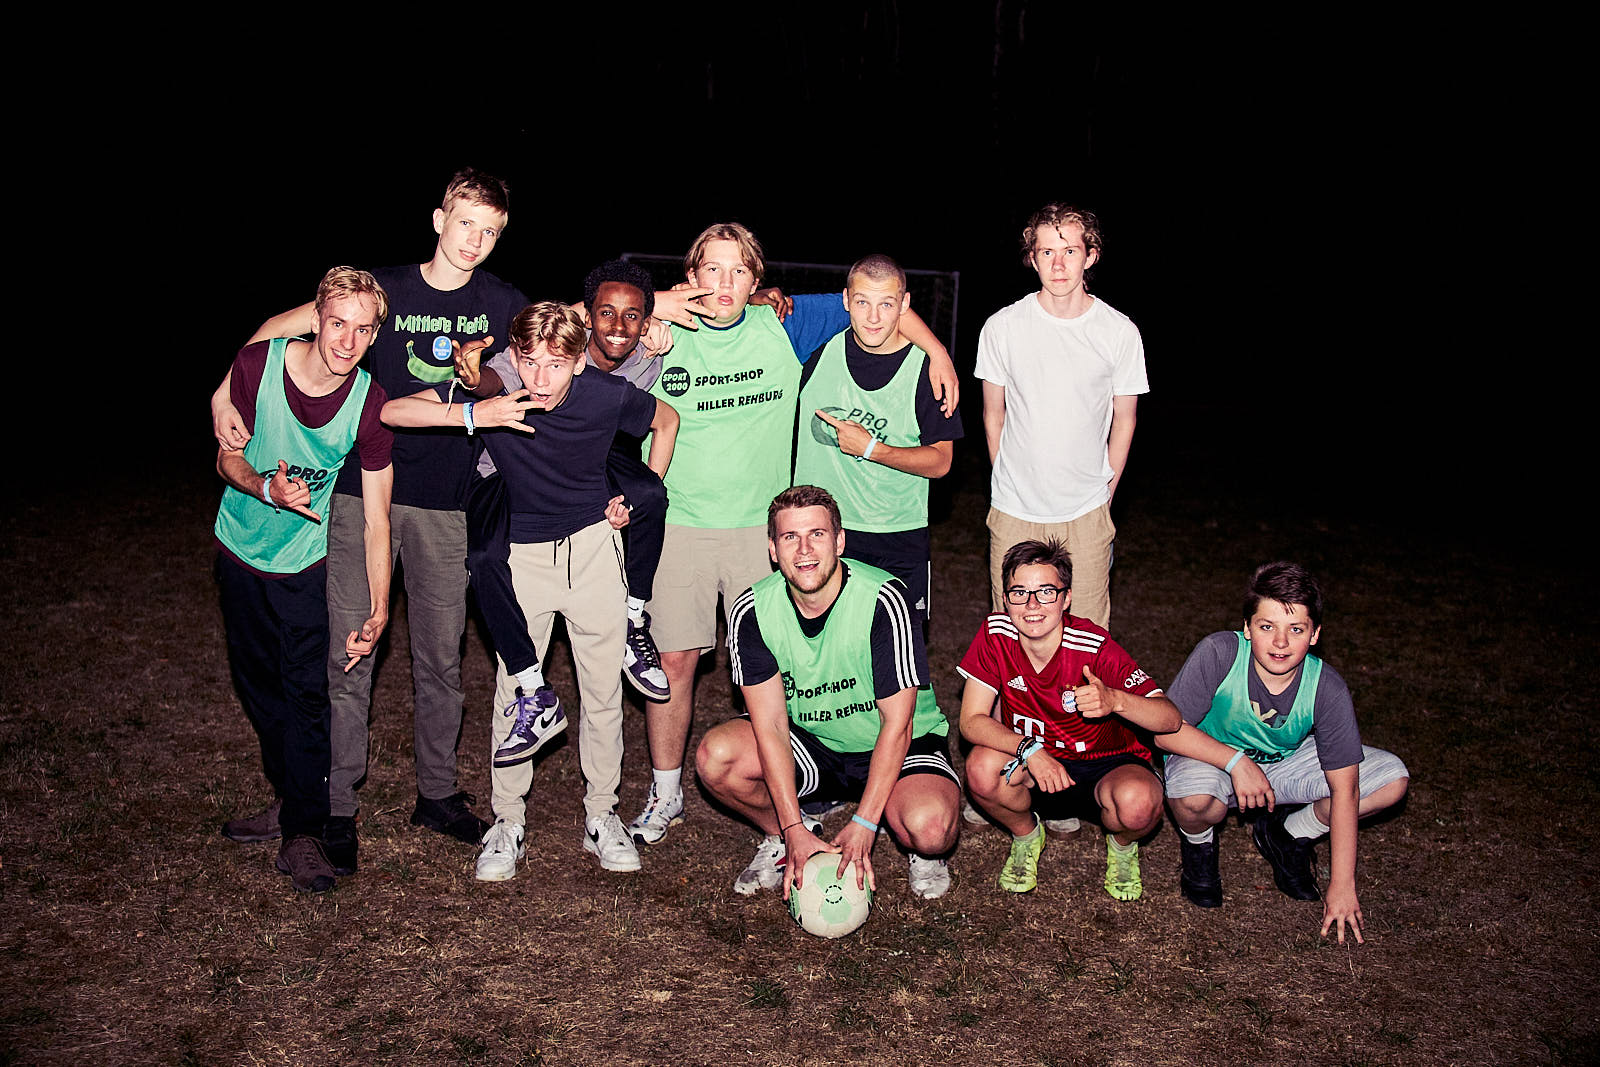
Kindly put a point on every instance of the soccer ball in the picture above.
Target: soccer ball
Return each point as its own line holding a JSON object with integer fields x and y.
{"x": 827, "y": 905}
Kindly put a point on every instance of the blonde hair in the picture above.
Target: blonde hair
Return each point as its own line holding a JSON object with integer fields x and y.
{"x": 749, "y": 247}
{"x": 551, "y": 322}
{"x": 347, "y": 281}
{"x": 476, "y": 187}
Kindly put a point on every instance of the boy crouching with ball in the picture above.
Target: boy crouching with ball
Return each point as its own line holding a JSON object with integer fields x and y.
{"x": 1267, "y": 725}
{"x": 1069, "y": 696}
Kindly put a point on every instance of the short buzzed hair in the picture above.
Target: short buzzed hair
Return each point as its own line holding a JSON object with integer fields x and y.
{"x": 802, "y": 496}
{"x": 347, "y": 281}
{"x": 619, "y": 270}
{"x": 551, "y": 322}
{"x": 878, "y": 268}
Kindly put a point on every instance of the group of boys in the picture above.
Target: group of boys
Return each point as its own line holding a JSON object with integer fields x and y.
{"x": 772, "y": 436}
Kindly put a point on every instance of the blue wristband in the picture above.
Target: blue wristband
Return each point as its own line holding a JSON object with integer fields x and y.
{"x": 1024, "y": 752}
{"x": 466, "y": 417}
{"x": 1234, "y": 762}
{"x": 859, "y": 821}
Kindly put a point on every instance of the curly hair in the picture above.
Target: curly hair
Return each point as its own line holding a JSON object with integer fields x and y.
{"x": 1054, "y": 216}
{"x": 619, "y": 270}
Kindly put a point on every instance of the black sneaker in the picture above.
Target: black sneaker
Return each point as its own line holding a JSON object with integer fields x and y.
{"x": 451, "y": 816}
{"x": 339, "y": 842}
{"x": 303, "y": 860}
{"x": 817, "y": 809}
{"x": 1198, "y": 878}
{"x": 1293, "y": 859}
{"x": 262, "y": 826}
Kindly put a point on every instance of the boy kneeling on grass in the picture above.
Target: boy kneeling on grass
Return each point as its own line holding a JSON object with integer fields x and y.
{"x": 1069, "y": 696}
{"x": 1268, "y": 725}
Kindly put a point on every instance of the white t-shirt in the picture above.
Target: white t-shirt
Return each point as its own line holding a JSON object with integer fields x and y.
{"x": 1059, "y": 376}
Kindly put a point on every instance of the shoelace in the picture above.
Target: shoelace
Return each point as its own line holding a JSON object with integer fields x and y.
{"x": 645, "y": 651}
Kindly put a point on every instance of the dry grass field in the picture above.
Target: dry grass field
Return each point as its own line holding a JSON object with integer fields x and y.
{"x": 132, "y": 932}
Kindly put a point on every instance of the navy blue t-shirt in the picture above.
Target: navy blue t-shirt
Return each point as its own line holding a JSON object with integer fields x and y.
{"x": 412, "y": 353}
{"x": 555, "y": 477}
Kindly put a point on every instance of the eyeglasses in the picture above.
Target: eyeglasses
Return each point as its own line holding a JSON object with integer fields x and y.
{"x": 1045, "y": 594}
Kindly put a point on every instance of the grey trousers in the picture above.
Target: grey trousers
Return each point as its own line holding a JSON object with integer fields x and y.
{"x": 432, "y": 549}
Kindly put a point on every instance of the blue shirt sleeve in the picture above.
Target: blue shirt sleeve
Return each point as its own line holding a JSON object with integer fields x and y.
{"x": 815, "y": 319}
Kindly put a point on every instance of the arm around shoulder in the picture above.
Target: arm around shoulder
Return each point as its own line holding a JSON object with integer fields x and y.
{"x": 296, "y": 322}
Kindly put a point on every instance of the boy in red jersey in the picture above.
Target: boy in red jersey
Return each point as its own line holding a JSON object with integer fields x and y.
{"x": 1067, "y": 694}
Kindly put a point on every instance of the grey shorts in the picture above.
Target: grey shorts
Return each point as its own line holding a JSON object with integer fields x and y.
{"x": 1295, "y": 779}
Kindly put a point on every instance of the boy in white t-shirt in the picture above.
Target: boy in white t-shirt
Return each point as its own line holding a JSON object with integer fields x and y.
{"x": 1062, "y": 372}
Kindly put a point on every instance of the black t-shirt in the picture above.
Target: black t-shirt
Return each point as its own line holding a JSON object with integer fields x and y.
{"x": 556, "y": 476}
{"x": 412, "y": 353}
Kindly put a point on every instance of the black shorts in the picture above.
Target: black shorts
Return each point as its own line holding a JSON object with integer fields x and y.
{"x": 1086, "y": 774}
{"x": 904, "y": 555}
{"x": 820, "y": 773}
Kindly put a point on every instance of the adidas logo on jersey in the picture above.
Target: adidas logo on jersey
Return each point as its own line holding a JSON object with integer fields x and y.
{"x": 1018, "y": 683}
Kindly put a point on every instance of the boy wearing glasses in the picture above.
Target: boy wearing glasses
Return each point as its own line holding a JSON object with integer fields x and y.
{"x": 1068, "y": 695}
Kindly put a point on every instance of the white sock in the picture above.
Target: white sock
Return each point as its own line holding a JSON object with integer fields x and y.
{"x": 1202, "y": 838}
{"x": 1038, "y": 828}
{"x": 636, "y": 611}
{"x": 668, "y": 783}
{"x": 1305, "y": 824}
{"x": 531, "y": 679}
{"x": 1120, "y": 847}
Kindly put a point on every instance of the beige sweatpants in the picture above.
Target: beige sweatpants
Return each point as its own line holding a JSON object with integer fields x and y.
{"x": 1088, "y": 539}
{"x": 582, "y": 578}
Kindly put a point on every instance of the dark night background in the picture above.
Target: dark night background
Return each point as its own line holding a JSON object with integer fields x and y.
{"x": 1284, "y": 206}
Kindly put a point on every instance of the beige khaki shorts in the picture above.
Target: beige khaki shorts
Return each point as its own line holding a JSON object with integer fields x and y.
{"x": 696, "y": 567}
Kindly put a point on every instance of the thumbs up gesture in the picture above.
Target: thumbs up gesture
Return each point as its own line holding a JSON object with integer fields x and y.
{"x": 1095, "y": 698}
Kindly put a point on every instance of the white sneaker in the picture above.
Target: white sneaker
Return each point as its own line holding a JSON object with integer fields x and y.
{"x": 502, "y": 848}
{"x": 930, "y": 878}
{"x": 607, "y": 839}
{"x": 658, "y": 815}
{"x": 1062, "y": 827}
{"x": 766, "y": 869}
{"x": 972, "y": 815}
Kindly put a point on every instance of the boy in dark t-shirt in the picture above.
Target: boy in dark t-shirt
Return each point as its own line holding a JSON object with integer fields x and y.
{"x": 564, "y": 556}
{"x": 619, "y": 299}
{"x": 1266, "y": 724}
{"x": 446, "y": 301}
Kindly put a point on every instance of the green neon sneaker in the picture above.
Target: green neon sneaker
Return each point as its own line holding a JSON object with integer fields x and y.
{"x": 1021, "y": 872}
{"x": 1122, "y": 871}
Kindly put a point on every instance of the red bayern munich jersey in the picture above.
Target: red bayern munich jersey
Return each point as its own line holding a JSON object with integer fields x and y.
{"x": 1031, "y": 702}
